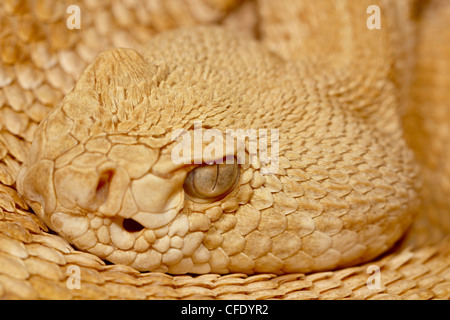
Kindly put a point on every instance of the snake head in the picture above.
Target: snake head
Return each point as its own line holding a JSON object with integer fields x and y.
{"x": 102, "y": 171}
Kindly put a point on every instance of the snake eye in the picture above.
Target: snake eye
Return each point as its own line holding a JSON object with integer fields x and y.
{"x": 209, "y": 183}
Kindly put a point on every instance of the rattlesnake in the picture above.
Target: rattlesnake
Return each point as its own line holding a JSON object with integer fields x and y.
{"x": 310, "y": 57}
{"x": 100, "y": 171}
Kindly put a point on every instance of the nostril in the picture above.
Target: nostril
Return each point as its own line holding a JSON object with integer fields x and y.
{"x": 103, "y": 184}
{"x": 131, "y": 225}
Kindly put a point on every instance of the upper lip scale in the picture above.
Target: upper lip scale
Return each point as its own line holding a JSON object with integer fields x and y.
{"x": 153, "y": 220}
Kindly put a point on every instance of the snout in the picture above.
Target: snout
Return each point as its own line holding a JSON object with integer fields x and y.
{"x": 92, "y": 189}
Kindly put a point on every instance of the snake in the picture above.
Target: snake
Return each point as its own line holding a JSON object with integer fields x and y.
{"x": 101, "y": 173}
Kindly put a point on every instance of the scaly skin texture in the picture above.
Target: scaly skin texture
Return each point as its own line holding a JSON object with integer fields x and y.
{"x": 346, "y": 187}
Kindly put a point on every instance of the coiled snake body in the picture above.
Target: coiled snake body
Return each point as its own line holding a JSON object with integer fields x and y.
{"x": 100, "y": 171}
